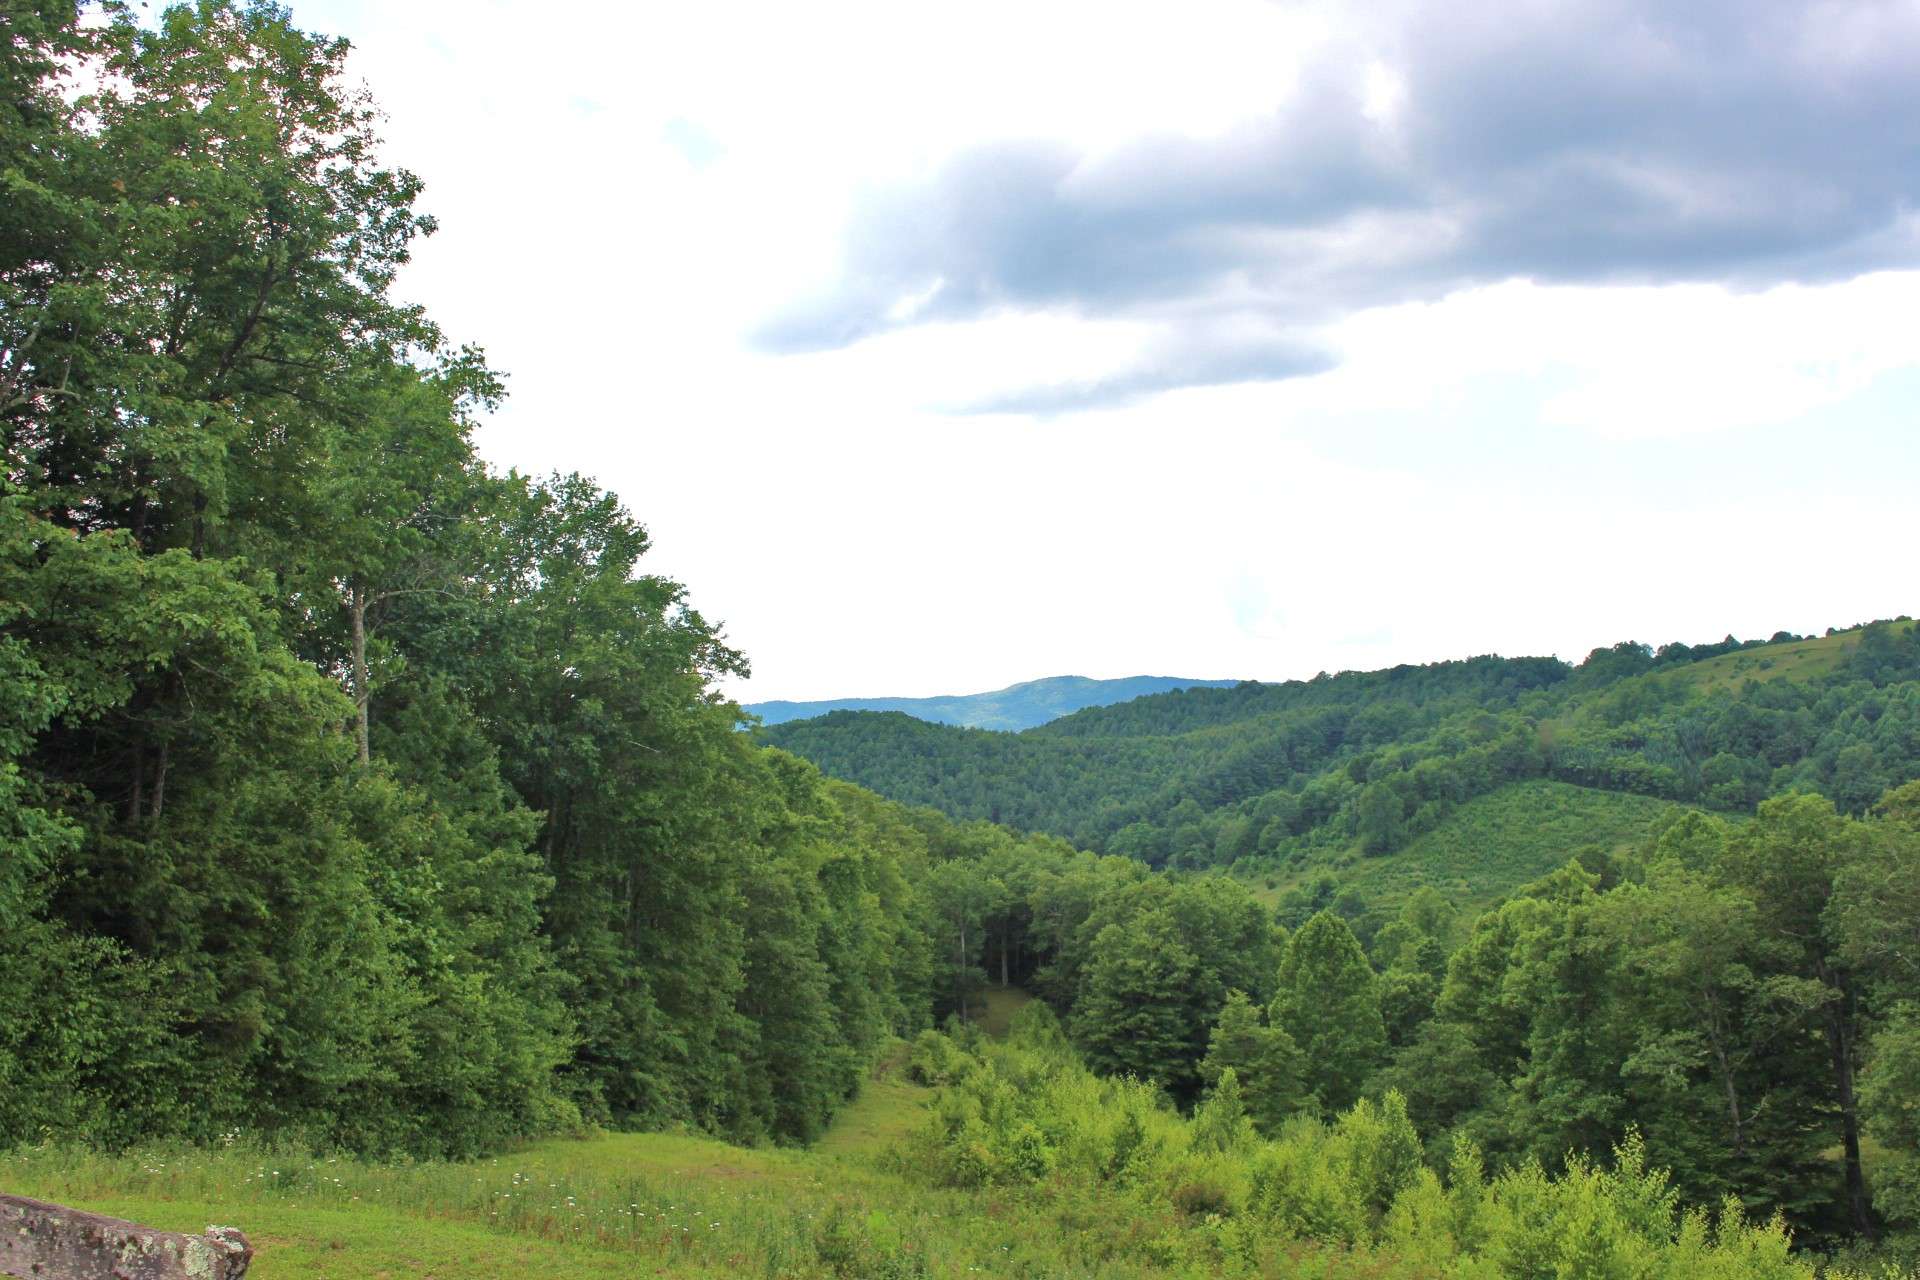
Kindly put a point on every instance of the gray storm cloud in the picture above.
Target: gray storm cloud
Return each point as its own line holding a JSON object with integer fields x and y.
{"x": 1749, "y": 144}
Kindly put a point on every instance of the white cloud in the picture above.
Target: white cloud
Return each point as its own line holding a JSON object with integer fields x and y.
{"x": 859, "y": 539}
{"x": 1626, "y": 363}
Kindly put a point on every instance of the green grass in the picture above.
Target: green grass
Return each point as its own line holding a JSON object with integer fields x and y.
{"x": 1795, "y": 660}
{"x": 888, "y": 1108}
{"x": 656, "y": 1204}
{"x": 617, "y": 1205}
{"x": 993, "y": 1008}
{"x": 661, "y": 1204}
{"x": 586, "y": 1208}
{"x": 1489, "y": 846}
{"x": 369, "y": 1241}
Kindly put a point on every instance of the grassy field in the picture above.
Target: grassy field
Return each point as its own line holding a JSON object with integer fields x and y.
{"x": 661, "y": 1205}
{"x": 888, "y": 1108}
{"x": 611, "y": 1205}
{"x": 1795, "y": 660}
{"x": 993, "y": 1008}
{"x": 1490, "y": 845}
{"x": 682, "y": 1206}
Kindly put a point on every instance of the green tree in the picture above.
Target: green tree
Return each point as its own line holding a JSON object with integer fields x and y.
{"x": 1379, "y": 816}
{"x": 1221, "y": 1123}
{"x": 1266, "y": 1063}
{"x": 1890, "y": 1106}
{"x": 1138, "y": 1015}
{"x": 1723, "y": 1082}
{"x": 1789, "y": 858}
{"x": 1328, "y": 1002}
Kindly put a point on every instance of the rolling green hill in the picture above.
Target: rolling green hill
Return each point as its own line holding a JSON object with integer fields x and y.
{"x": 1284, "y": 781}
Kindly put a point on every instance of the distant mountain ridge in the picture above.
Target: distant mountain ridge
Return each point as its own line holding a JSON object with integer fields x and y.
{"x": 1016, "y": 707}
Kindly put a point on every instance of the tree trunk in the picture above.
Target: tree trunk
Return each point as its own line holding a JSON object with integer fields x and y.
{"x": 357, "y": 610}
{"x": 1733, "y": 1106}
{"x": 1840, "y": 1044}
{"x": 136, "y": 799}
{"x": 160, "y": 784}
{"x": 1717, "y": 1039}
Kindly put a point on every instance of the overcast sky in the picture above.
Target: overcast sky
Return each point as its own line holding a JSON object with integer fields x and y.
{"x": 944, "y": 346}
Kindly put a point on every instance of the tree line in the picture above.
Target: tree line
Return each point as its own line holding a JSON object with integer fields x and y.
{"x": 349, "y": 789}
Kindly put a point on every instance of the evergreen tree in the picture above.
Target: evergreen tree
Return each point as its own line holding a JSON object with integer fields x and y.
{"x": 1328, "y": 1003}
{"x": 1265, "y": 1061}
{"x": 1221, "y": 1123}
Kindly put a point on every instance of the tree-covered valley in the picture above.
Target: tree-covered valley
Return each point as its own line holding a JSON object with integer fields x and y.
{"x": 383, "y": 867}
{"x": 1275, "y": 776}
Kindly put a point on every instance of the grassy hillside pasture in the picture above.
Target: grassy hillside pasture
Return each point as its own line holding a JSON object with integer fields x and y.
{"x": 1490, "y": 846}
{"x": 1800, "y": 660}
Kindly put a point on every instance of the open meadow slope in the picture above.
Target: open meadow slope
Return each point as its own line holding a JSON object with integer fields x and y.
{"x": 1809, "y": 659}
{"x": 1488, "y": 847}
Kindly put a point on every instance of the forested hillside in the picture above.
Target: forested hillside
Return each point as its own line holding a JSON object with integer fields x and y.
{"x": 1498, "y": 897}
{"x": 1739, "y": 996}
{"x": 348, "y": 788}
{"x": 1018, "y": 706}
{"x": 1283, "y": 778}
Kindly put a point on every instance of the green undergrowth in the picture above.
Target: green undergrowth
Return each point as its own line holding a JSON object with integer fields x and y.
{"x": 1353, "y": 1193}
{"x": 960, "y": 1158}
{"x": 658, "y": 1204}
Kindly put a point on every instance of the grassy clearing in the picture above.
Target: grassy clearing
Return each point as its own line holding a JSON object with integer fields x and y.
{"x": 369, "y": 1241}
{"x": 1496, "y": 843}
{"x": 1489, "y": 846}
{"x": 656, "y": 1204}
{"x": 1797, "y": 660}
{"x": 617, "y": 1205}
{"x": 673, "y": 1205}
{"x": 888, "y": 1108}
{"x": 684, "y": 1205}
{"x": 993, "y": 1009}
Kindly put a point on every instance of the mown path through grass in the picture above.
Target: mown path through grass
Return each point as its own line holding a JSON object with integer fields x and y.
{"x": 890, "y": 1105}
{"x": 885, "y": 1112}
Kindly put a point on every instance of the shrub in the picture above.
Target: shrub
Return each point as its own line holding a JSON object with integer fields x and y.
{"x": 1197, "y": 1200}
